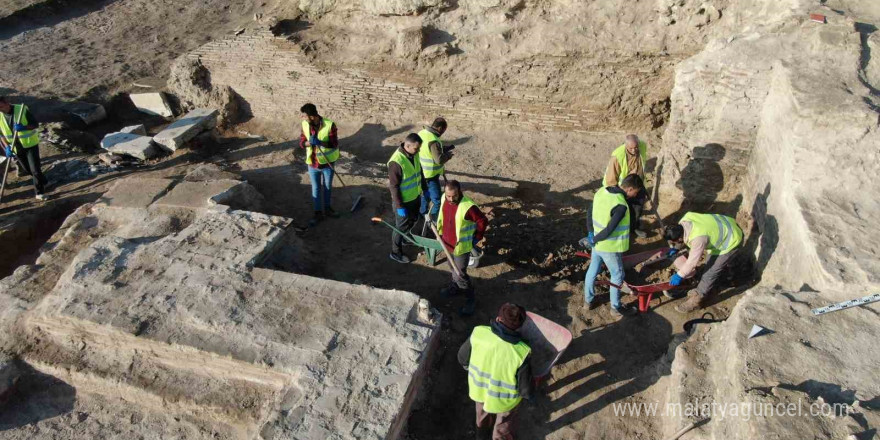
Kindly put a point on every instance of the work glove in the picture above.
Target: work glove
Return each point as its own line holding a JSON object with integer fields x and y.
{"x": 401, "y": 212}
{"x": 675, "y": 280}
{"x": 19, "y": 127}
{"x": 592, "y": 239}
{"x": 671, "y": 252}
{"x": 314, "y": 141}
{"x": 8, "y": 152}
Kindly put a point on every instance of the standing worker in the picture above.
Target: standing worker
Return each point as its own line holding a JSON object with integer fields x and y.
{"x": 406, "y": 185}
{"x": 499, "y": 373}
{"x": 629, "y": 158}
{"x": 609, "y": 237}
{"x": 467, "y": 226}
{"x": 19, "y": 129}
{"x": 433, "y": 157}
{"x": 719, "y": 235}
{"x": 321, "y": 143}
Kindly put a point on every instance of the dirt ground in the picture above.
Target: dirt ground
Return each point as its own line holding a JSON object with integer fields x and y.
{"x": 537, "y": 217}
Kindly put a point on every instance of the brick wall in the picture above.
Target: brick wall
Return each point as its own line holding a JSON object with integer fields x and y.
{"x": 275, "y": 78}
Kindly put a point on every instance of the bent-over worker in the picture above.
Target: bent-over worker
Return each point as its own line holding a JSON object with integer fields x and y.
{"x": 406, "y": 185}
{"x": 20, "y": 138}
{"x": 466, "y": 226}
{"x": 629, "y": 158}
{"x": 320, "y": 140}
{"x": 499, "y": 374}
{"x": 717, "y": 235}
{"x": 608, "y": 234}
{"x": 433, "y": 156}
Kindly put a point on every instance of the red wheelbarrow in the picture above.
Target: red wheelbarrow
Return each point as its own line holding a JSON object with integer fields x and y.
{"x": 646, "y": 292}
{"x": 548, "y": 340}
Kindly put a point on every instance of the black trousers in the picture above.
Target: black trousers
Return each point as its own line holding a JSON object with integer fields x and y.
{"x": 405, "y": 224}
{"x": 30, "y": 161}
{"x": 636, "y": 206}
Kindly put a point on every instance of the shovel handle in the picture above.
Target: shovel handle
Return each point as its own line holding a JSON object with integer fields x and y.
{"x": 445, "y": 250}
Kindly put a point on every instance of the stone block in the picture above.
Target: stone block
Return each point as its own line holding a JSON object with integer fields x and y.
{"x": 196, "y": 195}
{"x": 177, "y": 134}
{"x": 136, "y": 192}
{"x": 152, "y": 104}
{"x": 135, "y": 129}
{"x": 141, "y": 147}
{"x": 87, "y": 112}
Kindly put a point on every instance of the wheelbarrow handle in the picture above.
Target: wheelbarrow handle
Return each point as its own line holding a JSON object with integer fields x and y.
{"x": 405, "y": 236}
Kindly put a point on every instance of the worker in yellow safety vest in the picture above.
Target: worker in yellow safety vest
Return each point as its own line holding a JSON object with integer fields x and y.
{"x": 406, "y": 185}
{"x": 629, "y": 158}
{"x": 608, "y": 228}
{"x": 433, "y": 157}
{"x": 18, "y": 128}
{"x": 498, "y": 369}
{"x": 461, "y": 226}
{"x": 320, "y": 141}
{"x": 716, "y": 235}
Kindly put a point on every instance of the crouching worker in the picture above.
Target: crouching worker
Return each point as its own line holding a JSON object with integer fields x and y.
{"x": 719, "y": 235}
{"x": 499, "y": 375}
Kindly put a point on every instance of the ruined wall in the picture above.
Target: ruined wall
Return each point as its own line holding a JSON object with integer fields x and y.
{"x": 274, "y": 78}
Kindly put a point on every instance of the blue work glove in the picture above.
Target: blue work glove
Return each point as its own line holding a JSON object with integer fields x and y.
{"x": 314, "y": 141}
{"x": 19, "y": 127}
{"x": 675, "y": 280}
{"x": 401, "y": 212}
{"x": 671, "y": 252}
{"x": 591, "y": 238}
{"x": 7, "y": 151}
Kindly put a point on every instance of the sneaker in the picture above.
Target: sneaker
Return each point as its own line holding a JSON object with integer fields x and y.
{"x": 592, "y": 305}
{"x": 623, "y": 310}
{"x": 317, "y": 218}
{"x": 41, "y": 197}
{"x": 640, "y": 233}
{"x": 400, "y": 258}
{"x": 695, "y": 301}
{"x": 468, "y": 308}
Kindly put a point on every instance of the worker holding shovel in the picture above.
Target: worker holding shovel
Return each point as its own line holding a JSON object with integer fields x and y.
{"x": 20, "y": 139}
{"x": 321, "y": 143}
{"x": 461, "y": 225}
{"x": 609, "y": 236}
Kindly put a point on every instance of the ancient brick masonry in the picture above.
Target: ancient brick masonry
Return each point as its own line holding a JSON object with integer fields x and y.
{"x": 274, "y": 78}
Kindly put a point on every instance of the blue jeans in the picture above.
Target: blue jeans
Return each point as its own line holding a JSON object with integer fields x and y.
{"x": 614, "y": 261}
{"x": 322, "y": 181}
{"x": 432, "y": 196}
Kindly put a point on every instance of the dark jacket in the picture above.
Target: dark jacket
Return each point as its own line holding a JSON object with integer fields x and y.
{"x": 523, "y": 375}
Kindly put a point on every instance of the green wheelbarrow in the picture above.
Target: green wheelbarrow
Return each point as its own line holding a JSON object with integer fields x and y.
{"x": 431, "y": 246}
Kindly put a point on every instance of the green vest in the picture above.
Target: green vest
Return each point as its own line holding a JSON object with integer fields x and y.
{"x": 411, "y": 183}
{"x": 603, "y": 203}
{"x": 26, "y": 138}
{"x": 324, "y": 155}
{"x": 464, "y": 228}
{"x": 492, "y": 370}
{"x": 723, "y": 232}
{"x": 620, "y": 154}
{"x": 429, "y": 167}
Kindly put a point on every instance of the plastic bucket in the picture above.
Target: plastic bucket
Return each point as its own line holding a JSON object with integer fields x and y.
{"x": 476, "y": 254}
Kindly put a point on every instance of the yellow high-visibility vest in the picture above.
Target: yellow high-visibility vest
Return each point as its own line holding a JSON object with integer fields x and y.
{"x": 26, "y": 138}
{"x": 464, "y": 228}
{"x": 492, "y": 370}
{"x": 411, "y": 182}
{"x": 723, "y": 232}
{"x": 329, "y": 154}
{"x": 429, "y": 167}
{"x": 603, "y": 203}
{"x": 620, "y": 154}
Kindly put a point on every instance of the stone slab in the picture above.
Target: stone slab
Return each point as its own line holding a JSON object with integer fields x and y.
{"x": 135, "y": 129}
{"x": 189, "y": 126}
{"x": 196, "y": 195}
{"x": 136, "y": 192}
{"x": 88, "y": 112}
{"x": 141, "y": 147}
{"x": 152, "y": 103}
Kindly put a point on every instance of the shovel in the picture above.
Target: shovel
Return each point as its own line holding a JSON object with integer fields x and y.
{"x": 355, "y": 202}
{"x": 8, "y": 162}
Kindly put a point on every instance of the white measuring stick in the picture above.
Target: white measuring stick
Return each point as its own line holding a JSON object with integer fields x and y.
{"x": 847, "y": 304}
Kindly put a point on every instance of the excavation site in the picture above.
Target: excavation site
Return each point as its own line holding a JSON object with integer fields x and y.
{"x": 440, "y": 219}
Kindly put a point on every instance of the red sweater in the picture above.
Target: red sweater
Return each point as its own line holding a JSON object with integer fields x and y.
{"x": 313, "y": 131}
{"x": 450, "y": 235}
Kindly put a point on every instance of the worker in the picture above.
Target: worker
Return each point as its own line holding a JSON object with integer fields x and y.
{"x": 717, "y": 235}
{"x": 406, "y": 185}
{"x": 467, "y": 224}
{"x": 433, "y": 156}
{"x": 20, "y": 139}
{"x": 608, "y": 235}
{"x": 320, "y": 140}
{"x": 499, "y": 372}
{"x": 627, "y": 159}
